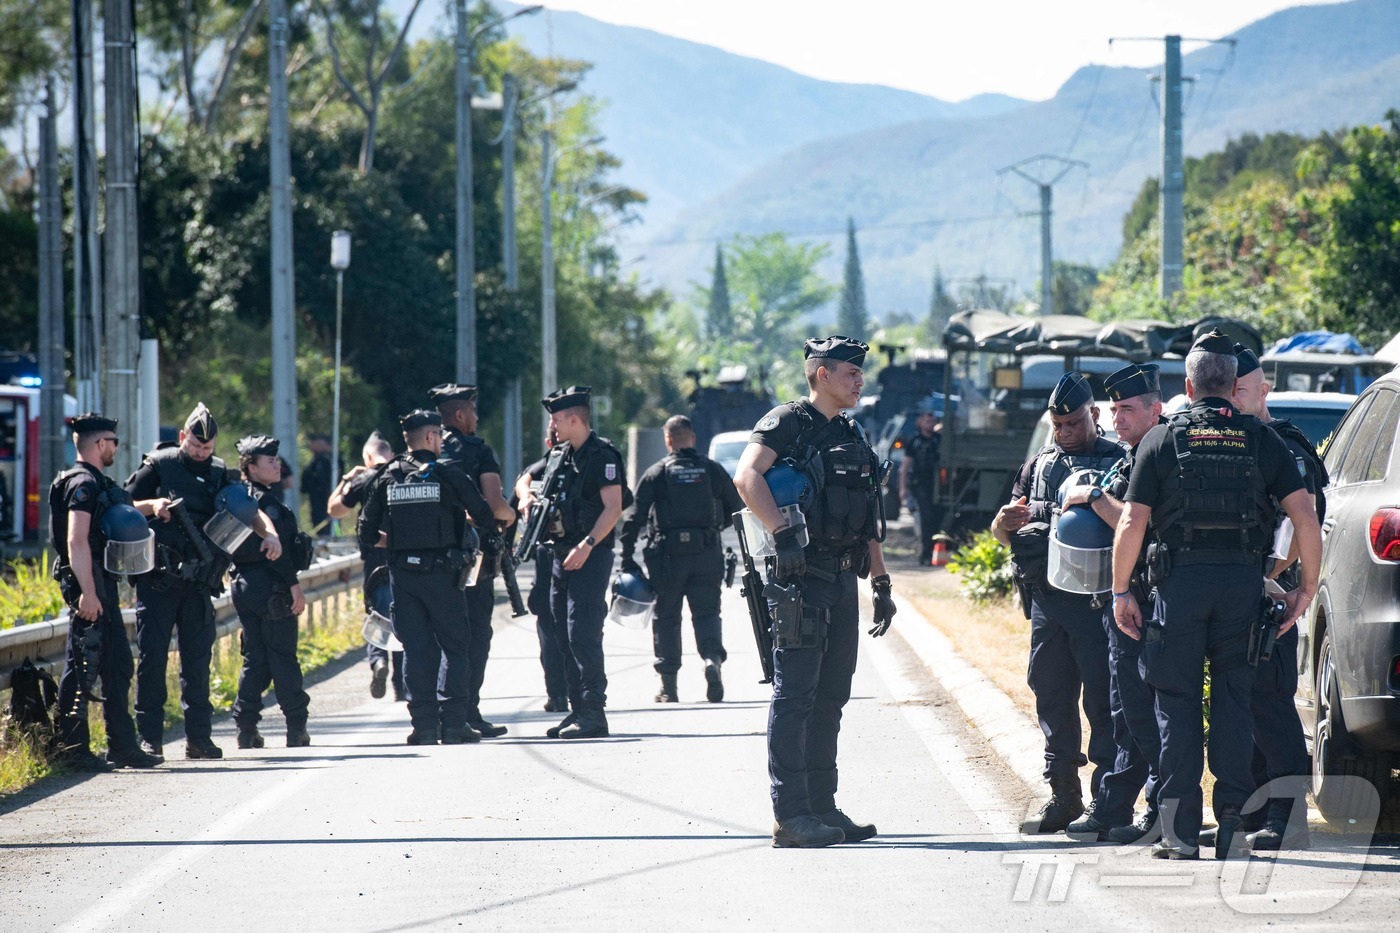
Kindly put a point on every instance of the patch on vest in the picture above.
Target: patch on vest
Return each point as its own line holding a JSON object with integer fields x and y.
{"x": 767, "y": 424}
{"x": 610, "y": 472}
{"x": 1216, "y": 436}
{"x": 688, "y": 475}
{"x": 415, "y": 492}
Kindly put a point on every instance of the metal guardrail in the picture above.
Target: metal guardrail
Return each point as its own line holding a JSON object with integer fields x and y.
{"x": 45, "y": 642}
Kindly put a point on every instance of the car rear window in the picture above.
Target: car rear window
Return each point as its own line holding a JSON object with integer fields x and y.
{"x": 1337, "y": 448}
{"x": 1355, "y": 466}
{"x": 1317, "y": 423}
{"x": 1379, "y": 463}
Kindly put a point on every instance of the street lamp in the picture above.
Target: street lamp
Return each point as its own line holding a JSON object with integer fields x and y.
{"x": 466, "y": 258}
{"x": 340, "y": 261}
{"x": 549, "y": 348}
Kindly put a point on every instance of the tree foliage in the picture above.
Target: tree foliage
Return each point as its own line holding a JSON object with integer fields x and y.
{"x": 851, "y": 317}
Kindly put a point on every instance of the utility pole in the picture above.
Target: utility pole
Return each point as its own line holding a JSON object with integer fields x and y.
{"x": 51, "y": 374}
{"x": 548, "y": 377}
{"x": 1047, "y": 252}
{"x": 87, "y": 271}
{"x": 284, "y": 333}
{"x": 121, "y": 240}
{"x": 514, "y": 443}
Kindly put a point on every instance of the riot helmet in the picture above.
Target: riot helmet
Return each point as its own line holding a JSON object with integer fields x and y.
{"x": 793, "y": 492}
{"x": 379, "y": 598}
{"x": 1081, "y": 543}
{"x": 131, "y": 544}
{"x": 234, "y": 516}
{"x": 633, "y": 600}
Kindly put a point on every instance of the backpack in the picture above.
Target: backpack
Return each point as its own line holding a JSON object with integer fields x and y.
{"x": 33, "y": 693}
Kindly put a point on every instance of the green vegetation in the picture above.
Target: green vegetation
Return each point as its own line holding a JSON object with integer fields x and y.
{"x": 28, "y": 593}
{"x": 984, "y": 563}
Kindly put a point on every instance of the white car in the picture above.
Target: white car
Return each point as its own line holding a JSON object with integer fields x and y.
{"x": 727, "y": 448}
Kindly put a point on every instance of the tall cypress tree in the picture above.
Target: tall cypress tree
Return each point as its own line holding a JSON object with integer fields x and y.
{"x": 719, "y": 316}
{"x": 941, "y": 306}
{"x": 851, "y": 319}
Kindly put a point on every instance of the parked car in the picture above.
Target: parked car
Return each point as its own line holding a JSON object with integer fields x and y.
{"x": 1315, "y": 413}
{"x": 726, "y": 448}
{"x": 1349, "y": 649}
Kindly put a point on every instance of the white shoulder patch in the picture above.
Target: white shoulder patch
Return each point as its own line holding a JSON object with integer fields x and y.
{"x": 610, "y": 472}
{"x": 768, "y": 423}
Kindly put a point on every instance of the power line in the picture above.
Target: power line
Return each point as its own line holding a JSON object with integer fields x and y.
{"x": 1084, "y": 117}
{"x": 816, "y": 234}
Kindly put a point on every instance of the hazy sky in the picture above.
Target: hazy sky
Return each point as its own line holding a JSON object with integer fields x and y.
{"x": 950, "y": 49}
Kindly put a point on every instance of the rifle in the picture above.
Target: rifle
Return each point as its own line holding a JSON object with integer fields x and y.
{"x": 505, "y": 565}
{"x": 88, "y": 636}
{"x": 752, "y": 590}
{"x": 205, "y": 570}
{"x": 543, "y": 509}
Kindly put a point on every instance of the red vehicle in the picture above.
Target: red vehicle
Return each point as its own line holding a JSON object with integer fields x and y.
{"x": 21, "y": 486}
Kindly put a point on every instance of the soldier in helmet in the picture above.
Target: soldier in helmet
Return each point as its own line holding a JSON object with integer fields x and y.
{"x": 1069, "y": 649}
{"x": 269, "y": 598}
{"x": 178, "y": 596}
{"x": 1207, "y": 486}
{"x": 83, "y": 502}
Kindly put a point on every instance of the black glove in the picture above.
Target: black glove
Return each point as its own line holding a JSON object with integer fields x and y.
{"x": 791, "y": 561}
{"x": 629, "y": 565}
{"x": 884, "y": 604}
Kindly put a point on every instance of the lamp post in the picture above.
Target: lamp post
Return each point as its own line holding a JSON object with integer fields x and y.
{"x": 549, "y": 343}
{"x": 340, "y": 261}
{"x": 466, "y": 257}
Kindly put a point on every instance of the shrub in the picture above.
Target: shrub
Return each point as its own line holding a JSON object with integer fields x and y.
{"x": 985, "y": 566}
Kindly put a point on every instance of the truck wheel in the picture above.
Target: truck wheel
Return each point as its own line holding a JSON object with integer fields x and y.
{"x": 1343, "y": 777}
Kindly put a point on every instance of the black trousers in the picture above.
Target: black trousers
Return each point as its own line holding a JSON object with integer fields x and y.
{"x": 480, "y": 600}
{"x": 578, "y": 601}
{"x": 269, "y": 646}
{"x": 556, "y": 682}
{"x": 1280, "y": 751}
{"x": 1069, "y": 653}
{"x": 927, "y": 518}
{"x": 430, "y": 618}
{"x": 188, "y": 612}
{"x": 810, "y": 688}
{"x": 696, "y": 579}
{"x": 116, "y": 670}
{"x": 1134, "y": 729}
{"x": 1203, "y": 611}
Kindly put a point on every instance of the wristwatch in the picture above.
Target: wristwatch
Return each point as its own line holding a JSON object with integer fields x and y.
{"x": 1095, "y": 494}
{"x": 589, "y": 540}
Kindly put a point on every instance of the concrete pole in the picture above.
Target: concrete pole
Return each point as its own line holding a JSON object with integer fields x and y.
{"x": 87, "y": 270}
{"x": 148, "y": 397}
{"x": 514, "y": 443}
{"x": 1047, "y": 253}
{"x": 336, "y": 461}
{"x": 50, "y": 310}
{"x": 121, "y": 242}
{"x": 284, "y": 336}
{"x": 1173, "y": 172}
{"x": 466, "y": 246}
{"x": 548, "y": 376}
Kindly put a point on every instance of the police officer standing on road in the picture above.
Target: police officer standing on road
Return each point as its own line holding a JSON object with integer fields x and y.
{"x": 1280, "y": 751}
{"x": 178, "y": 595}
{"x": 460, "y": 444}
{"x": 556, "y": 682}
{"x": 1069, "y": 649}
{"x": 316, "y": 481}
{"x": 815, "y": 640}
{"x": 418, "y": 509}
{"x": 1208, "y": 481}
{"x": 1135, "y": 398}
{"x": 268, "y": 597}
{"x": 684, "y": 500}
{"x": 918, "y": 477}
{"x": 590, "y": 503}
{"x": 79, "y": 501}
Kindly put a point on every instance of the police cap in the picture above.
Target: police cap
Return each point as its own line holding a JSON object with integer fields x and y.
{"x": 91, "y": 422}
{"x": 420, "y": 418}
{"x": 1213, "y": 341}
{"x": 1133, "y": 380}
{"x": 1071, "y": 393}
{"x": 451, "y": 392}
{"x": 1246, "y": 361}
{"x": 201, "y": 424}
{"x": 257, "y": 445}
{"x": 564, "y": 399}
{"x": 836, "y": 347}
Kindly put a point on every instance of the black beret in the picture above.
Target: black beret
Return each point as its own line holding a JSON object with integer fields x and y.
{"x": 91, "y": 422}
{"x": 1132, "y": 380}
{"x": 1213, "y": 341}
{"x": 257, "y": 445}
{"x": 836, "y": 347}
{"x": 1071, "y": 393}
{"x": 201, "y": 424}
{"x": 420, "y": 418}
{"x": 1245, "y": 360}
{"x": 451, "y": 392}
{"x": 564, "y": 399}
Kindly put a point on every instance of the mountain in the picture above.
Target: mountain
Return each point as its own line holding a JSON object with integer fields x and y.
{"x": 926, "y": 191}
{"x": 690, "y": 120}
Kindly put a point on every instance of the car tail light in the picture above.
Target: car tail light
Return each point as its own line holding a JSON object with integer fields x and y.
{"x": 898, "y": 445}
{"x": 1385, "y": 534}
{"x": 1395, "y": 673}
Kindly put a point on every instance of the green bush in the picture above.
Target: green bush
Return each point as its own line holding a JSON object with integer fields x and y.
{"x": 28, "y": 593}
{"x": 985, "y": 565}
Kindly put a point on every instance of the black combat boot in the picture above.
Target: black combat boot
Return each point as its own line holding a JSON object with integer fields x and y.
{"x": 668, "y": 694}
{"x": 714, "y": 686}
{"x": 378, "y": 677}
{"x": 427, "y": 736}
{"x": 297, "y": 736}
{"x": 1280, "y": 836}
{"x": 553, "y": 731}
{"x": 805, "y": 832}
{"x": 459, "y": 735}
{"x": 1145, "y": 830}
{"x": 488, "y": 729}
{"x": 853, "y": 831}
{"x": 590, "y": 724}
{"x": 202, "y": 749}
{"x": 250, "y": 737}
{"x": 132, "y": 758}
{"x": 152, "y": 748}
{"x": 1230, "y": 835}
{"x": 1066, "y": 804}
{"x": 1089, "y": 828}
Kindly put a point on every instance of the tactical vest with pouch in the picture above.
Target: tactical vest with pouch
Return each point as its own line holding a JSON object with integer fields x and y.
{"x": 422, "y": 516}
{"x": 687, "y": 519}
{"x": 1030, "y": 547}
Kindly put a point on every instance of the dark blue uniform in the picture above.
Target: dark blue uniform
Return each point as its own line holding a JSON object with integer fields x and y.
{"x": 87, "y": 489}
{"x": 923, "y": 452}
{"x": 684, "y": 501}
{"x": 556, "y": 682}
{"x": 262, "y": 594}
{"x": 375, "y": 557}
{"x": 578, "y": 598}
{"x": 1213, "y": 518}
{"x": 1069, "y": 649}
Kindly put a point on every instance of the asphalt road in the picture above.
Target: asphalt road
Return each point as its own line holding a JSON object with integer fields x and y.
{"x": 663, "y": 826}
